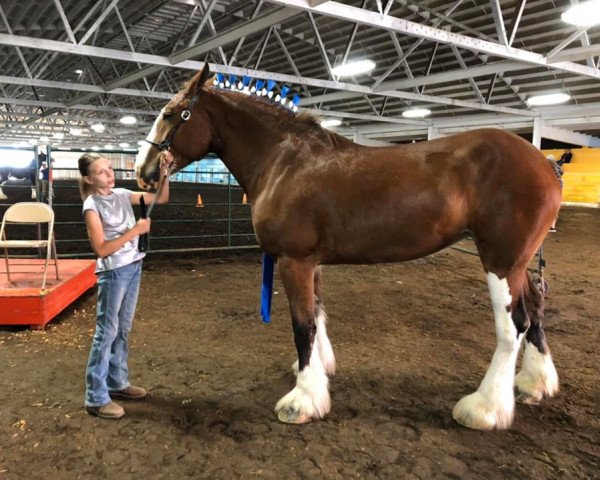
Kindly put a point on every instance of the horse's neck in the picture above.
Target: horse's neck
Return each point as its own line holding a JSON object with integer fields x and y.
{"x": 244, "y": 142}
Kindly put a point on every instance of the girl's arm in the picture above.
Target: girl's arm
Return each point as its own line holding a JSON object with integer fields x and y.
{"x": 103, "y": 248}
{"x": 165, "y": 161}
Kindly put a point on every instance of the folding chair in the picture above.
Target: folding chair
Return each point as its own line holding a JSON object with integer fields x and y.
{"x": 30, "y": 213}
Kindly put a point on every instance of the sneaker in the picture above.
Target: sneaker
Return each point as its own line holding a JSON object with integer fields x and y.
{"x": 130, "y": 393}
{"x": 110, "y": 411}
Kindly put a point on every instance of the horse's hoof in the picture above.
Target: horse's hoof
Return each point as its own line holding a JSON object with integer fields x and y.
{"x": 289, "y": 415}
{"x": 475, "y": 411}
{"x": 532, "y": 388}
{"x": 527, "y": 399}
{"x": 296, "y": 368}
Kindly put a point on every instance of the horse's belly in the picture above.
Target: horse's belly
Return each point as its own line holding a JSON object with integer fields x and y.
{"x": 388, "y": 247}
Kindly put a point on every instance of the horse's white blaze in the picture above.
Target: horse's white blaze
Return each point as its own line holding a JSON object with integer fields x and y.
{"x": 310, "y": 397}
{"x": 322, "y": 340}
{"x": 145, "y": 147}
{"x": 538, "y": 376}
{"x": 492, "y": 405}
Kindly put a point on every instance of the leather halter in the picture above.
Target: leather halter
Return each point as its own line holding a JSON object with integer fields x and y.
{"x": 185, "y": 116}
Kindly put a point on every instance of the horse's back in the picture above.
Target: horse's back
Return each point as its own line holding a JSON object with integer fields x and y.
{"x": 368, "y": 205}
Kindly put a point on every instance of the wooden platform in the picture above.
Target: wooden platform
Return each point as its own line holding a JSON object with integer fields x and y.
{"x": 23, "y": 302}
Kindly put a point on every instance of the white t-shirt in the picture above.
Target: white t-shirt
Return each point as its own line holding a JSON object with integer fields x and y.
{"x": 116, "y": 214}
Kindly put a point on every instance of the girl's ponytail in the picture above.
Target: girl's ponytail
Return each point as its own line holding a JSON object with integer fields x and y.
{"x": 86, "y": 189}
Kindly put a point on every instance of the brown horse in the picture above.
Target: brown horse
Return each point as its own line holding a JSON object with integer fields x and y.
{"x": 318, "y": 198}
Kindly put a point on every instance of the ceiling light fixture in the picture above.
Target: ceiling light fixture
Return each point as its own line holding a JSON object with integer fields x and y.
{"x": 78, "y": 71}
{"x": 416, "y": 113}
{"x": 128, "y": 120}
{"x": 584, "y": 14}
{"x": 123, "y": 145}
{"x": 353, "y": 68}
{"x": 98, "y": 127}
{"x": 331, "y": 122}
{"x": 548, "y": 99}
{"x": 75, "y": 131}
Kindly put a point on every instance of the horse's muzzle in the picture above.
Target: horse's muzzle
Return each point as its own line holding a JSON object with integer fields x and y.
{"x": 147, "y": 180}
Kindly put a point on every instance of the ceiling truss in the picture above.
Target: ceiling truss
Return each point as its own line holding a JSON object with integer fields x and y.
{"x": 447, "y": 55}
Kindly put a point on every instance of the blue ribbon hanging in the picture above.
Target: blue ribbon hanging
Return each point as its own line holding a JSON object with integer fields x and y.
{"x": 266, "y": 294}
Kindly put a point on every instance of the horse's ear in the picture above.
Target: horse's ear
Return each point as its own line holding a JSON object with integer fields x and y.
{"x": 202, "y": 78}
{"x": 197, "y": 83}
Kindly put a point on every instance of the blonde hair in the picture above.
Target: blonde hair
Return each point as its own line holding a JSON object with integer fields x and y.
{"x": 85, "y": 189}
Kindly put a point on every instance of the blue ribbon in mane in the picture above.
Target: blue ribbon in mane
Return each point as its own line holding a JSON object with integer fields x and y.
{"x": 266, "y": 294}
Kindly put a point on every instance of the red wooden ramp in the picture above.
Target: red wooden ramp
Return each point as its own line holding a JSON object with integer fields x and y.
{"x": 22, "y": 301}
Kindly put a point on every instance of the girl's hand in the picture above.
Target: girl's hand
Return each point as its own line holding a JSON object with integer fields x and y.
{"x": 142, "y": 226}
{"x": 166, "y": 161}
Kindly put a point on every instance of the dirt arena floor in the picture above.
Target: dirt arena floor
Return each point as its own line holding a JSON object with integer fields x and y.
{"x": 410, "y": 339}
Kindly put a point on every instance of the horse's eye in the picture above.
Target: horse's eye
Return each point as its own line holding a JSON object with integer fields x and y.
{"x": 167, "y": 115}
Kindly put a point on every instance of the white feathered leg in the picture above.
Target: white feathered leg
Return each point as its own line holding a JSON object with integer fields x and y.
{"x": 538, "y": 377}
{"x": 310, "y": 397}
{"x": 492, "y": 405}
{"x": 321, "y": 343}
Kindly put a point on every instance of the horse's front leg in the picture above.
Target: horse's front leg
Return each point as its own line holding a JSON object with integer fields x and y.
{"x": 310, "y": 397}
{"x": 322, "y": 342}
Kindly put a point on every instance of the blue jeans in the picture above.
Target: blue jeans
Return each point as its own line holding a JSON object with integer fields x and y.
{"x": 107, "y": 366}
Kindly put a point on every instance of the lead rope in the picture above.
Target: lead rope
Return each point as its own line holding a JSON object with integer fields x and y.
{"x": 144, "y": 240}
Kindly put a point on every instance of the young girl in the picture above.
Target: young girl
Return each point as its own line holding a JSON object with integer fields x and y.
{"x": 114, "y": 234}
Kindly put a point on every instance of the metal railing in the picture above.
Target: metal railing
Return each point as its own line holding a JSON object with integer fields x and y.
{"x": 220, "y": 222}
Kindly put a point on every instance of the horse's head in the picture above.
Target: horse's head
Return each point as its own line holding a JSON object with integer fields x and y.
{"x": 183, "y": 128}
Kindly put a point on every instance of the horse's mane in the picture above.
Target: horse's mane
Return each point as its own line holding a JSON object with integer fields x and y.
{"x": 269, "y": 106}
{"x": 303, "y": 123}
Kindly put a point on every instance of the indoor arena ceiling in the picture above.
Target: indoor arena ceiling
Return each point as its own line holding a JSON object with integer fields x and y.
{"x": 69, "y": 64}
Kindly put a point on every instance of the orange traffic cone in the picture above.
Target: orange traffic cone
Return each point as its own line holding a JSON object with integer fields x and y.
{"x": 199, "y": 201}
{"x": 244, "y": 199}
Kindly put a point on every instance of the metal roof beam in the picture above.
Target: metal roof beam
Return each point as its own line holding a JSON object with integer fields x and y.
{"x": 64, "y": 106}
{"x": 235, "y": 33}
{"x": 82, "y": 87}
{"x": 97, "y": 23}
{"x": 63, "y": 17}
{"x": 205, "y": 17}
{"x": 355, "y": 14}
{"x": 414, "y": 46}
{"x": 577, "y": 53}
{"x": 452, "y": 76}
{"x": 359, "y": 116}
{"x": 499, "y": 22}
{"x": 516, "y": 19}
{"x": 463, "y": 65}
{"x": 194, "y": 65}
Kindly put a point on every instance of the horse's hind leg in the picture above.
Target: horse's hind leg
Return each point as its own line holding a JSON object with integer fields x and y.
{"x": 538, "y": 376}
{"x": 492, "y": 405}
{"x": 310, "y": 397}
{"x": 322, "y": 342}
